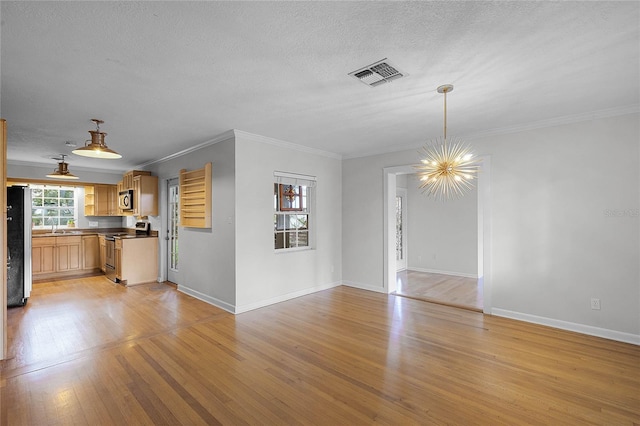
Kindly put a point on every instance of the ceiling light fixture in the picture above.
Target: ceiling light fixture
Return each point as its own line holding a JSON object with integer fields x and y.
{"x": 62, "y": 172}
{"x": 447, "y": 169}
{"x": 97, "y": 148}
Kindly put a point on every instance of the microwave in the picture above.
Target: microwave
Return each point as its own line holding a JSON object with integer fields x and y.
{"x": 125, "y": 200}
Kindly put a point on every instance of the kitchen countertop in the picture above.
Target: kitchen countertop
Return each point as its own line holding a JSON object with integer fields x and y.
{"x": 83, "y": 232}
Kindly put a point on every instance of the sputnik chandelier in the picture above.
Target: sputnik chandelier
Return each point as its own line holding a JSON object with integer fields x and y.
{"x": 447, "y": 167}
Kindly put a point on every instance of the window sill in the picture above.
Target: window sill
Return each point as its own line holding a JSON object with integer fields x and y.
{"x": 292, "y": 250}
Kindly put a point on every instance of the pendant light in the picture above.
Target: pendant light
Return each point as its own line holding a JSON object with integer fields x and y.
{"x": 447, "y": 167}
{"x": 97, "y": 148}
{"x": 62, "y": 172}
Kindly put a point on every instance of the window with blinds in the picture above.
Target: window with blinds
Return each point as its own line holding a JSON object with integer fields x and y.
{"x": 292, "y": 212}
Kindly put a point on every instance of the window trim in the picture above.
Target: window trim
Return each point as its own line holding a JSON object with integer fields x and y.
{"x": 308, "y": 210}
{"x": 44, "y": 187}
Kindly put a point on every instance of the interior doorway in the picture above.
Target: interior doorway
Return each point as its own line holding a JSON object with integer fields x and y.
{"x": 173, "y": 223}
{"x": 392, "y": 279}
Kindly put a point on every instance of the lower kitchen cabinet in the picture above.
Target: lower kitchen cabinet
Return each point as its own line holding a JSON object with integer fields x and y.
{"x": 90, "y": 253}
{"x": 136, "y": 260}
{"x": 43, "y": 259}
{"x": 68, "y": 253}
{"x": 53, "y": 257}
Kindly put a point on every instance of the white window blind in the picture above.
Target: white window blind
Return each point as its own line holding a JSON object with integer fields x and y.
{"x": 285, "y": 178}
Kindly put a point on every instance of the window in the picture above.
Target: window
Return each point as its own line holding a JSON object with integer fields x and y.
{"x": 291, "y": 219}
{"x": 53, "y": 205}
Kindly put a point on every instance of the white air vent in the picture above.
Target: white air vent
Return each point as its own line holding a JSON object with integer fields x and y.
{"x": 377, "y": 73}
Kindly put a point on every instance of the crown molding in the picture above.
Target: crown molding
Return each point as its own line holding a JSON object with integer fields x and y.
{"x": 234, "y": 133}
{"x": 288, "y": 145}
{"x": 557, "y": 121}
{"x": 229, "y": 134}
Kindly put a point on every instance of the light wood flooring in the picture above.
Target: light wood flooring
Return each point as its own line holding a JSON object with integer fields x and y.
{"x": 90, "y": 352}
{"x": 448, "y": 290}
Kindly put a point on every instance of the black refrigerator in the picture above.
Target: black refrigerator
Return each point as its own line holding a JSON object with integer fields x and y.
{"x": 18, "y": 245}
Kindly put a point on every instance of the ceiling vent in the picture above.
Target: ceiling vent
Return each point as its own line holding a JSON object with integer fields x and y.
{"x": 377, "y": 73}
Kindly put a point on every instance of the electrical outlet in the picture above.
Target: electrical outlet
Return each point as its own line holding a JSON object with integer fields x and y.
{"x": 595, "y": 303}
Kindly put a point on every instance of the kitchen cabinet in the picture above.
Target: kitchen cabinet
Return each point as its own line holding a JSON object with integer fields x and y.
{"x": 103, "y": 252}
{"x": 90, "y": 252}
{"x": 64, "y": 256}
{"x": 43, "y": 255}
{"x": 127, "y": 178}
{"x": 145, "y": 195}
{"x": 101, "y": 200}
{"x": 68, "y": 253}
{"x": 136, "y": 260}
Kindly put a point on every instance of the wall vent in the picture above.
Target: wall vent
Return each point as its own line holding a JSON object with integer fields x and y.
{"x": 377, "y": 73}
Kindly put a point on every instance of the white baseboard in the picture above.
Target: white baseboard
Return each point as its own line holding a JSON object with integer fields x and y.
{"x": 363, "y": 286}
{"x": 436, "y": 271}
{"x": 206, "y": 298}
{"x": 284, "y": 297}
{"x": 570, "y": 326}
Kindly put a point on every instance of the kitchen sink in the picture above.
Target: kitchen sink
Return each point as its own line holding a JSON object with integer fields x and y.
{"x": 59, "y": 233}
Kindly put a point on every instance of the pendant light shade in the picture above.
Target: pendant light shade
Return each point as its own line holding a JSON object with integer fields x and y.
{"x": 62, "y": 172}
{"x": 97, "y": 148}
{"x": 447, "y": 167}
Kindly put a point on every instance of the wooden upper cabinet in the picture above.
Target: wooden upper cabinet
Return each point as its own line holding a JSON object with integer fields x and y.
{"x": 145, "y": 195}
{"x": 127, "y": 178}
{"x": 101, "y": 200}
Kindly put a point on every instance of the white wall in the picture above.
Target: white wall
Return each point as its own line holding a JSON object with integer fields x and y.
{"x": 443, "y": 236}
{"x": 264, "y": 276}
{"x": 206, "y": 256}
{"x": 564, "y": 217}
{"x": 362, "y": 242}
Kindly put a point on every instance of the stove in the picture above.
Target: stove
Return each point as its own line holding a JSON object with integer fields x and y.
{"x": 142, "y": 228}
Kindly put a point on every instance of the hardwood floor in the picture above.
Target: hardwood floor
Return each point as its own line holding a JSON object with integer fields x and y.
{"x": 447, "y": 290}
{"x": 92, "y": 352}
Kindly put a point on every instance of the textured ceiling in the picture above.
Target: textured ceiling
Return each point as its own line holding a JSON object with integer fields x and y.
{"x": 169, "y": 75}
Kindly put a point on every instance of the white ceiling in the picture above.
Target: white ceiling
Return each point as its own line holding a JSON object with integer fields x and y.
{"x": 169, "y": 75}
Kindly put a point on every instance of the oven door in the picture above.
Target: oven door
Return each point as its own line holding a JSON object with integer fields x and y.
{"x": 125, "y": 200}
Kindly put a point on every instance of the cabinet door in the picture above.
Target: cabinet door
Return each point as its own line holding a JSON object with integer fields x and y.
{"x": 68, "y": 253}
{"x": 103, "y": 253}
{"x": 145, "y": 192}
{"x": 112, "y": 200}
{"x": 90, "y": 252}
{"x": 42, "y": 259}
{"x": 68, "y": 257}
{"x": 43, "y": 255}
{"x": 101, "y": 200}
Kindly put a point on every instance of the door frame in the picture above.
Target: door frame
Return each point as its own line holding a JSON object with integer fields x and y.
{"x": 169, "y": 181}
{"x": 484, "y": 227}
{"x": 402, "y": 192}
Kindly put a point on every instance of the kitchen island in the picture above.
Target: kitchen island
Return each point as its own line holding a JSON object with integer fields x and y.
{"x": 136, "y": 259}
